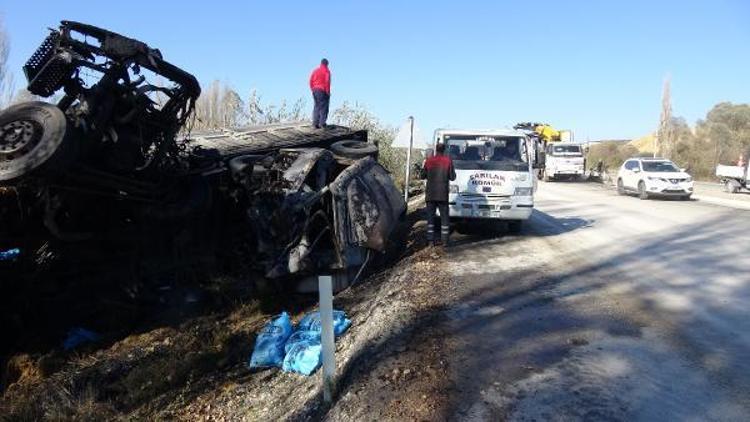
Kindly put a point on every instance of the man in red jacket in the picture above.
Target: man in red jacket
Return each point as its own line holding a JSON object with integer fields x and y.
{"x": 438, "y": 170}
{"x": 320, "y": 85}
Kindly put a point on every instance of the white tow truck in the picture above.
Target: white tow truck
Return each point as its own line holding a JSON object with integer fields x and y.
{"x": 564, "y": 160}
{"x": 734, "y": 178}
{"x": 494, "y": 178}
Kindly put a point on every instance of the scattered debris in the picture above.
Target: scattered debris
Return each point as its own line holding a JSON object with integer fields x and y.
{"x": 280, "y": 345}
{"x": 304, "y": 355}
{"x": 269, "y": 345}
{"x": 77, "y": 336}
{"x": 311, "y": 322}
{"x": 10, "y": 254}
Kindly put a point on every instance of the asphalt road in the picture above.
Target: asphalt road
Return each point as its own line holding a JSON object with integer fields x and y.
{"x": 604, "y": 308}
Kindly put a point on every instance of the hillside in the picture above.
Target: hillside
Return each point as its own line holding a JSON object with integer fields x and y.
{"x": 644, "y": 144}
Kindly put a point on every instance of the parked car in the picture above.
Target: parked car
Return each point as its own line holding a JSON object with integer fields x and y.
{"x": 649, "y": 177}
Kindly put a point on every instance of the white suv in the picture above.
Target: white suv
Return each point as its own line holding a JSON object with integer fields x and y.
{"x": 653, "y": 177}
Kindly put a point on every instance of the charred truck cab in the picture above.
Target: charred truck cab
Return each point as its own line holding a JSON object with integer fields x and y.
{"x": 494, "y": 178}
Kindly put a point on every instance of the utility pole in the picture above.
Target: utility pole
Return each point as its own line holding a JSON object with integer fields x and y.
{"x": 408, "y": 159}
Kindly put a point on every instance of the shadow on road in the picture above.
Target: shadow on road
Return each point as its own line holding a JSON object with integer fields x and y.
{"x": 692, "y": 282}
{"x": 504, "y": 327}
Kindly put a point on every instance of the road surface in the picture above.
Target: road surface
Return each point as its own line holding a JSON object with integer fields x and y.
{"x": 604, "y": 308}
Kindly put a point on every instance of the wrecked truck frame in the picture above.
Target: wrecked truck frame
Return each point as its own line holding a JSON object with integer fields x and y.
{"x": 320, "y": 203}
{"x": 105, "y": 169}
{"x": 107, "y": 152}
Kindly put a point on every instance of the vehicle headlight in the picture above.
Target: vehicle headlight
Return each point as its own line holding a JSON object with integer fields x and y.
{"x": 656, "y": 179}
{"x": 689, "y": 179}
{"x": 453, "y": 188}
{"x": 523, "y": 192}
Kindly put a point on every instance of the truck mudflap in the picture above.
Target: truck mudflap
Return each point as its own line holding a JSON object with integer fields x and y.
{"x": 368, "y": 205}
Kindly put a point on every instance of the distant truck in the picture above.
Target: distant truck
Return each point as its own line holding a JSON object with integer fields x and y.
{"x": 494, "y": 177}
{"x": 563, "y": 160}
{"x": 734, "y": 178}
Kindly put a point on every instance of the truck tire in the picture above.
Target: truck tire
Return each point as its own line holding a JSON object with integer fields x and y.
{"x": 30, "y": 135}
{"x": 620, "y": 187}
{"x": 732, "y": 186}
{"x": 642, "y": 193}
{"x": 238, "y": 166}
{"x": 354, "y": 149}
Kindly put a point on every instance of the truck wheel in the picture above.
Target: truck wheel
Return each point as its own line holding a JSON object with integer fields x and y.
{"x": 30, "y": 134}
{"x": 354, "y": 149}
{"x": 732, "y": 186}
{"x": 620, "y": 187}
{"x": 514, "y": 226}
{"x": 642, "y": 193}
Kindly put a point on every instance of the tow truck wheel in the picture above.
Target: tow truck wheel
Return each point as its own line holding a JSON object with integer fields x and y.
{"x": 642, "y": 193}
{"x": 620, "y": 187}
{"x": 731, "y": 186}
{"x": 30, "y": 135}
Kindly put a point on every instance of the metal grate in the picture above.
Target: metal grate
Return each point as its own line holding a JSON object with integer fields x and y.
{"x": 45, "y": 71}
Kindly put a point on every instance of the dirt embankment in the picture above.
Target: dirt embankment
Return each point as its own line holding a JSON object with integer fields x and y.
{"x": 390, "y": 364}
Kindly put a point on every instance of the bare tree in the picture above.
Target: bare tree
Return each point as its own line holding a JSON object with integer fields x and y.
{"x": 219, "y": 106}
{"x": 7, "y": 85}
{"x": 259, "y": 113}
{"x": 665, "y": 134}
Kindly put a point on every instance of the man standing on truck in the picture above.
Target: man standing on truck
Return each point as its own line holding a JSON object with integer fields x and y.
{"x": 438, "y": 170}
{"x": 320, "y": 85}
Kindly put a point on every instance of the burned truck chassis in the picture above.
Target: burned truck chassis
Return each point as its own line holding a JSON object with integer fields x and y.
{"x": 104, "y": 174}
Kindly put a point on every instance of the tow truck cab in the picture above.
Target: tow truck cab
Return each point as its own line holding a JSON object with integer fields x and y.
{"x": 563, "y": 159}
{"x": 494, "y": 178}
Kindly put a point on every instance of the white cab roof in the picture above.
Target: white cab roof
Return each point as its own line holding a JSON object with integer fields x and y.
{"x": 480, "y": 132}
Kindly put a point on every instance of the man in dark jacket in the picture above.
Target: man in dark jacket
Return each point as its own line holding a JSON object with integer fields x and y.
{"x": 320, "y": 85}
{"x": 438, "y": 170}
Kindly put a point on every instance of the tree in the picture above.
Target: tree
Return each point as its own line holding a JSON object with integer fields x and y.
{"x": 665, "y": 133}
{"x": 259, "y": 113}
{"x": 727, "y": 129}
{"x": 7, "y": 85}
{"x": 358, "y": 117}
{"x": 218, "y": 107}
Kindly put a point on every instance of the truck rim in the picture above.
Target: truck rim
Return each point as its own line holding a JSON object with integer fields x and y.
{"x": 18, "y": 138}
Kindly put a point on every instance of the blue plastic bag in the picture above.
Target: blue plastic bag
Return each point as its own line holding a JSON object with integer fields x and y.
{"x": 311, "y": 322}
{"x": 77, "y": 336}
{"x": 10, "y": 254}
{"x": 301, "y": 335}
{"x": 269, "y": 345}
{"x": 304, "y": 356}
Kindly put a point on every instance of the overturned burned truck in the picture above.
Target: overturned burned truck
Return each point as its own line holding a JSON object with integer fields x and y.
{"x": 112, "y": 169}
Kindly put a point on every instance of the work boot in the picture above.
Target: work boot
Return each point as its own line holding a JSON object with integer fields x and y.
{"x": 445, "y": 236}
{"x": 430, "y": 233}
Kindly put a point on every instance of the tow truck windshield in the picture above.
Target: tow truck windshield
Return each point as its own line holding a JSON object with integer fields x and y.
{"x": 566, "y": 150}
{"x": 487, "y": 152}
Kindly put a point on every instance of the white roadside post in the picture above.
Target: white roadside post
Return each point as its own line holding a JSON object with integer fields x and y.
{"x": 325, "y": 289}
{"x": 408, "y": 159}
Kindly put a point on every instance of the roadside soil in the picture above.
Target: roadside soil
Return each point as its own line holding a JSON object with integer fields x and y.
{"x": 186, "y": 358}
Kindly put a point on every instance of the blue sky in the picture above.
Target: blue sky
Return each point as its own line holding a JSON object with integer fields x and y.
{"x": 594, "y": 67}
